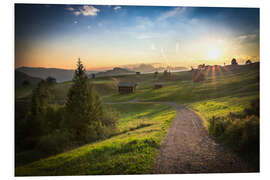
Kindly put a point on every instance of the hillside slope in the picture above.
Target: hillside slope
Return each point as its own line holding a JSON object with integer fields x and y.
{"x": 21, "y": 77}
{"x": 225, "y": 90}
{"x": 133, "y": 150}
{"x": 61, "y": 75}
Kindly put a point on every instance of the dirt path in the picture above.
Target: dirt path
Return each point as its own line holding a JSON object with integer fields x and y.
{"x": 188, "y": 148}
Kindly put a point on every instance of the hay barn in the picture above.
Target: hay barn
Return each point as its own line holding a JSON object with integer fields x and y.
{"x": 126, "y": 87}
{"x": 159, "y": 85}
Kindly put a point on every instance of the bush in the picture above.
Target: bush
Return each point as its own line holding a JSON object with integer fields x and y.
{"x": 243, "y": 134}
{"x": 55, "y": 142}
{"x": 107, "y": 128}
{"x": 54, "y": 117}
{"x": 238, "y": 130}
{"x": 110, "y": 119}
{"x": 34, "y": 127}
{"x": 217, "y": 126}
{"x": 254, "y": 108}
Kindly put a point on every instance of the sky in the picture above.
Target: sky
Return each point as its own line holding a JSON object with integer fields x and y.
{"x": 55, "y": 36}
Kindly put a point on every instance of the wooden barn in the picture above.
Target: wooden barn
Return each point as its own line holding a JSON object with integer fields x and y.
{"x": 159, "y": 85}
{"x": 93, "y": 76}
{"x": 126, "y": 87}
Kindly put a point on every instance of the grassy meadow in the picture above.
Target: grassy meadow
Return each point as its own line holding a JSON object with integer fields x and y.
{"x": 144, "y": 123}
{"x": 133, "y": 150}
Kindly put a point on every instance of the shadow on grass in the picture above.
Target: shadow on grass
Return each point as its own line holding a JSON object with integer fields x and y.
{"x": 142, "y": 125}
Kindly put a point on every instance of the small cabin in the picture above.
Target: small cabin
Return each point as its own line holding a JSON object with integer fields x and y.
{"x": 93, "y": 76}
{"x": 126, "y": 87}
{"x": 158, "y": 85}
{"x": 248, "y": 62}
{"x": 234, "y": 62}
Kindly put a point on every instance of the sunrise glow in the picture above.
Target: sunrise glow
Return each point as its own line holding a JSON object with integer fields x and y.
{"x": 109, "y": 36}
{"x": 213, "y": 53}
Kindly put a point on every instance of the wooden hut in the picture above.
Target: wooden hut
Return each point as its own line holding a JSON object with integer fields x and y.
{"x": 234, "y": 62}
{"x": 159, "y": 85}
{"x": 93, "y": 76}
{"x": 126, "y": 87}
{"x": 248, "y": 62}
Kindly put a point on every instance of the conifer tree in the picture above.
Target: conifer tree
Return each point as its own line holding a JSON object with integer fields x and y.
{"x": 35, "y": 123}
{"x": 83, "y": 108}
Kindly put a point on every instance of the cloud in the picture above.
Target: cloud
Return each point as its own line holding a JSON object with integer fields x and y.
{"x": 172, "y": 13}
{"x": 70, "y": 8}
{"x": 77, "y": 13}
{"x": 248, "y": 38}
{"x": 117, "y": 8}
{"x": 89, "y": 10}
{"x": 85, "y": 11}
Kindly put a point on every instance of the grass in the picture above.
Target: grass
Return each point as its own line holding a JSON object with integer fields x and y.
{"x": 179, "y": 88}
{"x": 182, "y": 90}
{"x": 221, "y": 107}
{"x": 142, "y": 127}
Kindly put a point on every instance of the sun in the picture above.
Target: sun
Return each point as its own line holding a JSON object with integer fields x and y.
{"x": 213, "y": 53}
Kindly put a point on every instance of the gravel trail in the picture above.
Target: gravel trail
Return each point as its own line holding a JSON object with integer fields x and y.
{"x": 188, "y": 148}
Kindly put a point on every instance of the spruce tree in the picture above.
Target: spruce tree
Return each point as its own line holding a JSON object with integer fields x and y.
{"x": 83, "y": 108}
{"x": 35, "y": 122}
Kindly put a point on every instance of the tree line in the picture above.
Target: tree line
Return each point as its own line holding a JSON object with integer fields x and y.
{"x": 52, "y": 128}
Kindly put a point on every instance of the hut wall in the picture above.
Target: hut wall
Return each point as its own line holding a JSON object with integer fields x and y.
{"x": 126, "y": 89}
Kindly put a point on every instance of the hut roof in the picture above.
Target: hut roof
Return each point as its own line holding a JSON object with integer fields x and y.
{"x": 127, "y": 84}
{"x": 159, "y": 83}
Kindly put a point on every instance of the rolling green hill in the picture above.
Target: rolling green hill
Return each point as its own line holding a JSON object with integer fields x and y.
{"x": 143, "y": 125}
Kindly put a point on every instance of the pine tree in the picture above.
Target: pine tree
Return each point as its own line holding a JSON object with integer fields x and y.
{"x": 35, "y": 123}
{"x": 83, "y": 108}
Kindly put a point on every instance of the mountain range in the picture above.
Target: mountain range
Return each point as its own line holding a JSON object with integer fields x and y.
{"x": 146, "y": 68}
{"x": 115, "y": 71}
{"x": 60, "y": 75}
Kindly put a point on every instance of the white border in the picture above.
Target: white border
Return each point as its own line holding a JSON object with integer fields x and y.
{"x": 7, "y": 83}
{"x": 215, "y": 3}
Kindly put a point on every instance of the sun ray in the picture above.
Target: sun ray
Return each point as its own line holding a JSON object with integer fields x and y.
{"x": 214, "y": 75}
{"x": 227, "y": 70}
{"x": 220, "y": 71}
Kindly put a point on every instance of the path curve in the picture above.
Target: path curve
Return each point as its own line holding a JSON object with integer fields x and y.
{"x": 188, "y": 148}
